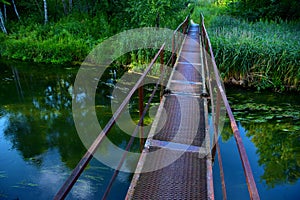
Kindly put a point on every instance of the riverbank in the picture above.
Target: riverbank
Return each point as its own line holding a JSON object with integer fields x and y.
{"x": 262, "y": 54}
{"x": 72, "y": 31}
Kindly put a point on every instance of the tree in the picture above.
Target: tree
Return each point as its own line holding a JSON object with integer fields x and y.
{"x": 2, "y": 25}
{"x": 15, "y": 9}
{"x": 65, "y": 7}
{"x": 266, "y": 9}
{"x": 156, "y": 12}
{"x": 4, "y": 10}
{"x": 3, "y": 19}
{"x": 70, "y": 5}
{"x": 45, "y": 11}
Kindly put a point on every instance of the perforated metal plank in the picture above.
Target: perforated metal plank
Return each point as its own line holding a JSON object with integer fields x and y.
{"x": 185, "y": 88}
{"x": 191, "y": 45}
{"x": 188, "y": 72}
{"x": 191, "y": 57}
{"x": 183, "y": 121}
{"x": 185, "y": 178}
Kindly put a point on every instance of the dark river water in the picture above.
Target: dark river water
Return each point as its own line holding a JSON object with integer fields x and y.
{"x": 39, "y": 145}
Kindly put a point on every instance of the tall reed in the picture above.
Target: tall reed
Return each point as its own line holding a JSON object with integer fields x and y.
{"x": 262, "y": 54}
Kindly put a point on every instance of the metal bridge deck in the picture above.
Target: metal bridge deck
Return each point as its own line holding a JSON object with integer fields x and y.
{"x": 177, "y": 140}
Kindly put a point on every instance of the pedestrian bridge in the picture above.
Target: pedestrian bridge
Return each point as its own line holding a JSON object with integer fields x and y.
{"x": 177, "y": 156}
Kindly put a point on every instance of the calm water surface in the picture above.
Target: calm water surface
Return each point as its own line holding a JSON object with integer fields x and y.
{"x": 39, "y": 145}
{"x": 270, "y": 128}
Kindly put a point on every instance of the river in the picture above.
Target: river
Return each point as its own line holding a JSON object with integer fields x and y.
{"x": 39, "y": 144}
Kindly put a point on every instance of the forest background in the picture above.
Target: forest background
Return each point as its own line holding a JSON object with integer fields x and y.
{"x": 256, "y": 42}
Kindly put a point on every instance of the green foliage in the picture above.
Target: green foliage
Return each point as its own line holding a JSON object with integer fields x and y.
{"x": 66, "y": 41}
{"x": 74, "y": 30}
{"x": 153, "y": 13}
{"x": 208, "y": 9}
{"x": 265, "y": 9}
{"x": 264, "y": 54}
{"x": 4, "y": 2}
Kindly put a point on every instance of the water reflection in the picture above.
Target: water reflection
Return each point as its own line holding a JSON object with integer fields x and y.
{"x": 270, "y": 127}
{"x": 39, "y": 119}
{"x": 39, "y": 144}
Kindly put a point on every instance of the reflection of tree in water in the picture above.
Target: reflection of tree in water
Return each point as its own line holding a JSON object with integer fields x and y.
{"x": 279, "y": 151}
{"x": 277, "y": 142}
{"x": 42, "y": 118}
{"x": 24, "y": 136}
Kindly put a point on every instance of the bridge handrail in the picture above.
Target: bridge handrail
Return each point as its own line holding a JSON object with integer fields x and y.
{"x": 69, "y": 183}
{"x": 176, "y": 45}
{"x": 253, "y": 192}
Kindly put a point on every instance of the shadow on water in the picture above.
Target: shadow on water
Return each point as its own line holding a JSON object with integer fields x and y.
{"x": 39, "y": 144}
{"x": 270, "y": 128}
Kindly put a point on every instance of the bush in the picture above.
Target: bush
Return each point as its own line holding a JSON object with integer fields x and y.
{"x": 69, "y": 40}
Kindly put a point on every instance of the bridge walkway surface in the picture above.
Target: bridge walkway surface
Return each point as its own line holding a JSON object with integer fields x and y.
{"x": 176, "y": 163}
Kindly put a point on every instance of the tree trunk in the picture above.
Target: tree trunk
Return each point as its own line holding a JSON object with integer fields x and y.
{"x": 38, "y": 6}
{"x": 70, "y": 5}
{"x": 2, "y": 25}
{"x": 15, "y": 8}
{"x": 4, "y": 10}
{"x": 65, "y": 7}
{"x": 45, "y": 11}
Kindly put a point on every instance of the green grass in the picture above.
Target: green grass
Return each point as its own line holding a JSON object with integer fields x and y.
{"x": 264, "y": 54}
{"x": 65, "y": 41}
{"x": 208, "y": 9}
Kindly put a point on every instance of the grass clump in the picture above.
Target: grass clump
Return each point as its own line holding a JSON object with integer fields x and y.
{"x": 262, "y": 54}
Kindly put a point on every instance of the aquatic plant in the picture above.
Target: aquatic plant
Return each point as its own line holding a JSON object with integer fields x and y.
{"x": 262, "y": 54}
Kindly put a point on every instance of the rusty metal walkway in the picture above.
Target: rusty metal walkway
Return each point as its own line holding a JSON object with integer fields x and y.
{"x": 175, "y": 163}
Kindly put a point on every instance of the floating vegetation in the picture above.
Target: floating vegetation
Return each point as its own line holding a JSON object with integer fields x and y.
{"x": 3, "y": 174}
{"x": 23, "y": 184}
{"x": 94, "y": 178}
{"x": 98, "y": 168}
{"x": 261, "y": 113}
{"x": 272, "y": 123}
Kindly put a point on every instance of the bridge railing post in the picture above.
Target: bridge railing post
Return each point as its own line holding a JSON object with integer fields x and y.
{"x": 162, "y": 73}
{"x": 141, "y": 109}
{"x": 173, "y": 49}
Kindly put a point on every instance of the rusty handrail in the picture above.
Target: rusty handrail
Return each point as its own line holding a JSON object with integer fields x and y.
{"x": 143, "y": 112}
{"x": 253, "y": 192}
{"x": 215, "y": 117}
{"x": 69, "y": 183}
{"x": 176, "y": 46}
